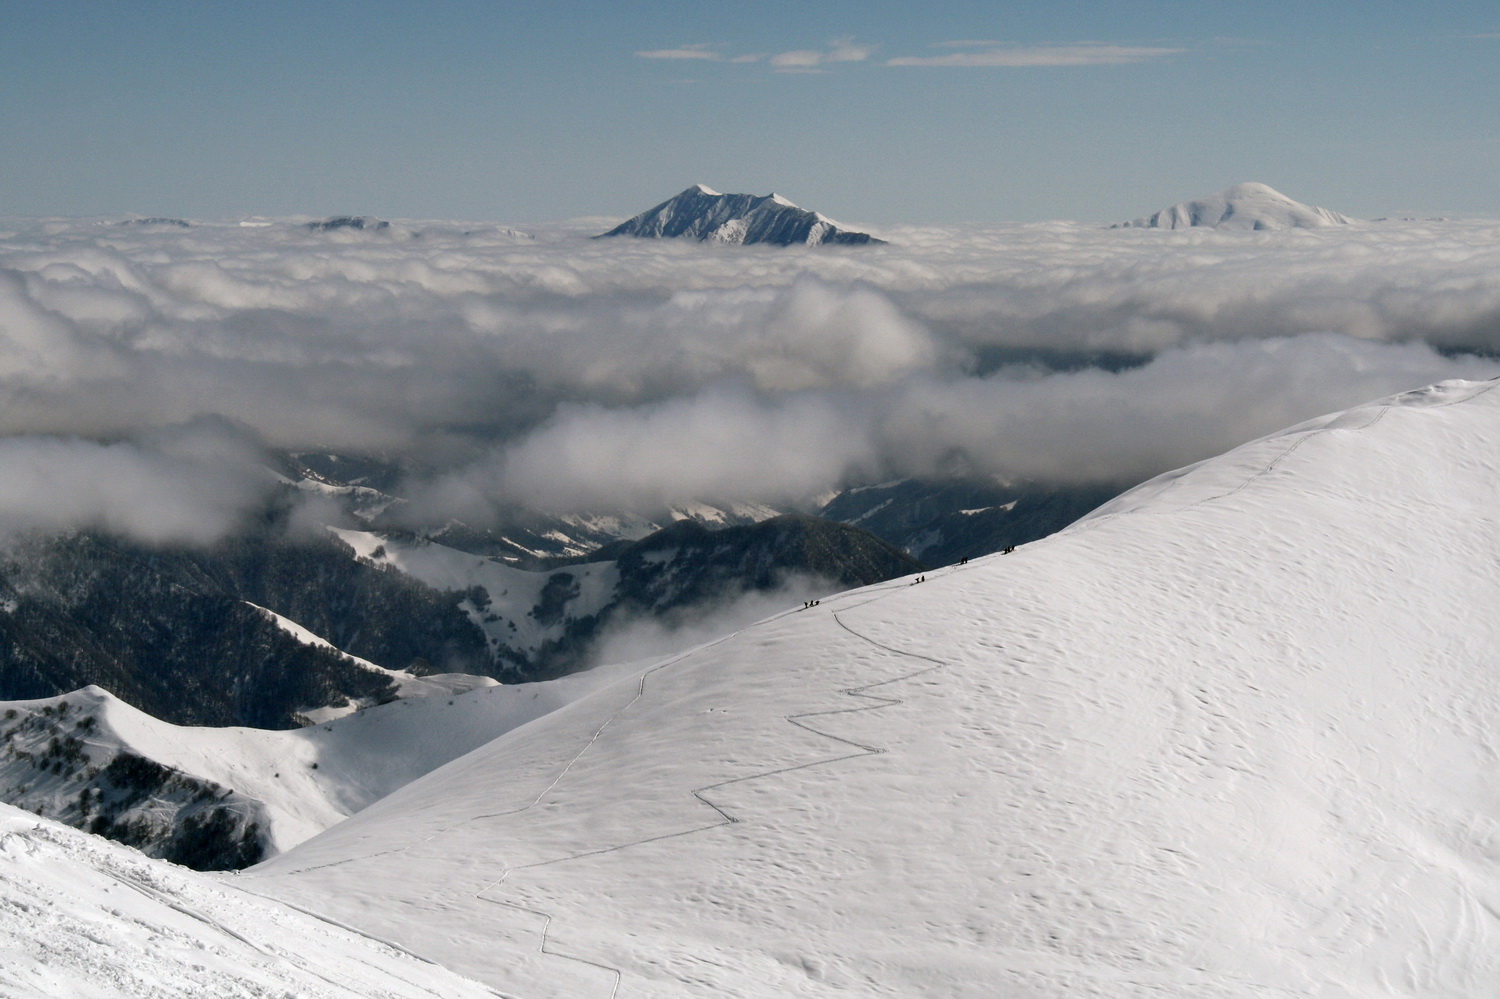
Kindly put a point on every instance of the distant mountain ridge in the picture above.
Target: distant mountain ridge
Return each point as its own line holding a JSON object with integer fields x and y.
{"x": 366, "y": 222}
{"x": 704, "y": 214}
{"x": 1243, "y": 206}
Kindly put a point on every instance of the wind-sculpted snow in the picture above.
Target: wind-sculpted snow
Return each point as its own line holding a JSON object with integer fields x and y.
{"x": 491, "y": 361}
{"x": 1231, "y": 737}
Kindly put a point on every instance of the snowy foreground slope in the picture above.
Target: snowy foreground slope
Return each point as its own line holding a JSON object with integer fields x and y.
{"x": 83, "y": 918}
{"x": 1236, "y": 735}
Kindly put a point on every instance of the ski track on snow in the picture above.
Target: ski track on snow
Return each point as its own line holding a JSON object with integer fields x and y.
{"x": 725, "y": 818}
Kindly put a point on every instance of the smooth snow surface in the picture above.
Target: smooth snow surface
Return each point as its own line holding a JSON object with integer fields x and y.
{"x": 1243, "y": 206}
{"x": 83, "y": 918}
{"x": 1235, "y": 736}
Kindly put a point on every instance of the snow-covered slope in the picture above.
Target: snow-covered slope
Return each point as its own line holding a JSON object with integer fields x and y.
{"x": 1232, "y": 736}
{"x": 705, "y": 214}
{"x": 1243, "y": 206}
{"x": 82, "y": 917}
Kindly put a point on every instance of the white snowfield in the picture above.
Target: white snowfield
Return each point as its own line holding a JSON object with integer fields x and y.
{"x": 1236, "y": 736}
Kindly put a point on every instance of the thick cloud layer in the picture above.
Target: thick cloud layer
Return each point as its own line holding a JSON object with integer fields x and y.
{"x": 1072, "y": 427}
{"x": 560, "y": 371}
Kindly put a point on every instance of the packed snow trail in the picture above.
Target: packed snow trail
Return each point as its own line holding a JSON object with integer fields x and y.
{"x": 1230, "y": 738}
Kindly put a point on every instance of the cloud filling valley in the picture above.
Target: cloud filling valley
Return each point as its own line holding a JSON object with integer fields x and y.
{"x": 563, "y": 373}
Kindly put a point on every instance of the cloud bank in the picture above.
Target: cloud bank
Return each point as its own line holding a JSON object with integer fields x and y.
{"x": 571, "y": 373}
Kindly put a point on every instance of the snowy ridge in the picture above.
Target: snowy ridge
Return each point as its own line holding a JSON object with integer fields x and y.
{"x": 1243, "y": 206}
{"x": 1185, "y": 749}
{"x": 1186, "y": 487}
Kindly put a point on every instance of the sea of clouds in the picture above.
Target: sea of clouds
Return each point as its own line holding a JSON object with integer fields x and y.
{"x": 145, "y": 368}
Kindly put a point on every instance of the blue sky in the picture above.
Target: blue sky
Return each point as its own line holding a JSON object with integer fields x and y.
{"x": 872, "y": 112}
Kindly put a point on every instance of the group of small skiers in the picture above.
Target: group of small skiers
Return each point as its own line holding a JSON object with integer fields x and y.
{"x": 809, "y": 604}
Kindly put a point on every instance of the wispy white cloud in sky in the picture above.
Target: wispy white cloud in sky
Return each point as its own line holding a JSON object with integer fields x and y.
{"x": 967, "y": 53}
{"x": 1041, "y": 55}
{"x": 704, "y": 52}
{"x": 808, "y": 60}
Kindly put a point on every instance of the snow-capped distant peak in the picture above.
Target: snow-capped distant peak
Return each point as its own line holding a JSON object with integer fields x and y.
{"x": 706, "y": 215}
{"x": 1244, "y": 206}
{"x": 1253, "y": 189}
